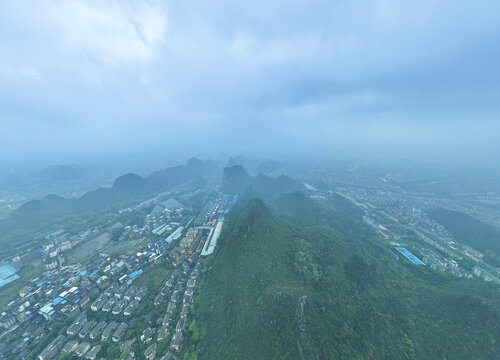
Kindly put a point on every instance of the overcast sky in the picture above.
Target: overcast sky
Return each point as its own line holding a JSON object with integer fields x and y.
{"x": 96, "y": 77}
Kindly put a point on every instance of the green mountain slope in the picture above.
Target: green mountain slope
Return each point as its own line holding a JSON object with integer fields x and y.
{"x": 470, "y": 231}
{"x": 276, "y": 290}
{"x": 302, "y": 210}
{"x": 235, "y": 179}
{"x": 126, "y": 188}
{"x": 40, "y": 215}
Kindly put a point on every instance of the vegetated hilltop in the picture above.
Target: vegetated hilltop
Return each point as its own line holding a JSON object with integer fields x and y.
{"x": 470, "y": 231}
{"x": 236, "y": 180}
{"x": 282, "y": 289}
{"x": 125, "y": 188}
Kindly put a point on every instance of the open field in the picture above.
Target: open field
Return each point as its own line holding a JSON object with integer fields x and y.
{"x": 88, "y": 248}
{"x": 154, "y": 277}
{"x": 9, "y": 291}
{"x": 123, "y": 246}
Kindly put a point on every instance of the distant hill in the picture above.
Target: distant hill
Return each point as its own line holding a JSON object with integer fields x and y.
{"x": 130, "y": 182}
{"x": 191, "y": 171}
{"x": 126, "y": 188}
{"x": 302, "y": 210}
{"x": 470, "y": 231}
{"x": 282, "y": 289}
{"x": 232, "y": 162}
{"x": 237, "y": 181}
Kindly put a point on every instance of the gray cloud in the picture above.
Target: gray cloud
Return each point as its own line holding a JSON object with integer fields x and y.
{"x": 99, "y": 76}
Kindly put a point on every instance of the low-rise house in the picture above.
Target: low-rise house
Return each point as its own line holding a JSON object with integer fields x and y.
{"x": 179, "y": 260}
{"x": 175, "y": 297}
{"x": 167, "y": 319}
{"x": 108, "y": 306}
{"x": 164, "y": 290}
{"x": 97, "y": 305}
{"x": 150, "y": 352}
{"x": 70, "y": 346}
{"x": 92, "y": 354}
{"x": 127, "y": 345}
{"x": 71, "y": 310}
{"x": 185, "y": 311}
{"x": 147, "y": 335}
{"x": 192, "y": 258}
{"x": 122, "y": 328}
{"x": 170, "y": 282}
{"x": 97, "y": 330}
{"x": 82, "y": 349}
{"x": 110, "y": 291}
{"x": 52, "y": 349}
{"x": 179, "y": 287}
{"x": 76, "y": 327}
{"x": 7, "y": 320}
{"x": 129, "y": 295}
{"x": 191, "y": 282}
{"x": 163, "y": 333}
{"x": 188, "y": 300}
{"x": 134, "y": 304}
{"x": 87, "y": 329}
{"x": 84, "y": 301}
{"x": 141, "y": 294}
{"x": 121, "y": 291}
{"x": 168, "y": 356}
{"x": 189, "y": 292}
{"x": 106, "y": 334}
{"x": 171, "y": 307}
{"x": 176, "y": 342}
{"x": 181, "y": 325}
{"x": 120, "y": 305}
{"x": 159, "y": 299}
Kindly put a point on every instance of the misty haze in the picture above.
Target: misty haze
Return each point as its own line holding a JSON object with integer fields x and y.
{"x": 219, "y": 180}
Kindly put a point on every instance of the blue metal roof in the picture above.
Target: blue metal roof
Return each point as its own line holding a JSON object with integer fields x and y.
{"x": 6, "y": 271}
{"x": 9, "y": 280}
{"x": 46, "y": 309}
{"x": 57, "y": 300}
{"x": 410, "y": 256}
{"x": 93, "y": 273}
{"x": 135, "y": 273}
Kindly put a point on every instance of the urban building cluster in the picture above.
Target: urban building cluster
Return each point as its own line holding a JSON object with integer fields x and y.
{"x": 395, "y": 206}
{"x": 87, "y": 308}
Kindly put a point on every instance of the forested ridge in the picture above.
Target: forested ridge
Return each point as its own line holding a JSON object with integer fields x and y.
{"x": 277, "y": 288}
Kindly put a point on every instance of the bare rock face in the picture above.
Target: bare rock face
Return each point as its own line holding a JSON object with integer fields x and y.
{"x": 306, "y": 349}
